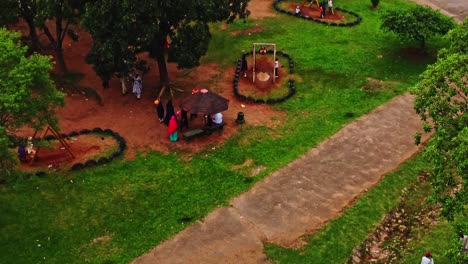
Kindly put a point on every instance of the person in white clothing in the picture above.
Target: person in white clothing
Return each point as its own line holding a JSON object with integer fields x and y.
{"x": 276, "y": 67}
{"x": 427, "y": 259}
{"x": 137, "y": 86}
{"x": 217, "y": 118}
{"x": 330, "y": 6}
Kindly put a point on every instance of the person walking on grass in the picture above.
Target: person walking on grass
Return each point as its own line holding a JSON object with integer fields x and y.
{"x": 172, "y": 129}
{"x": 137, "y": 86}
{"x": 159, "y": 110}
{"x": 427, "y": 258}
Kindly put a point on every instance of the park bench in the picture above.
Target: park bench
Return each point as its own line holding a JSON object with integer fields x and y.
{"x": 215, "y": 127}
{"x": 193, "y": 133}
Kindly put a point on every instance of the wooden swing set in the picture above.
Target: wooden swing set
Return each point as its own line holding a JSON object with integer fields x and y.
{"x": 57, "y": 136}
{"x": 254, "y": 58}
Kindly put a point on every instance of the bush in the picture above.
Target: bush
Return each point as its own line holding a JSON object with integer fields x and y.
{"x": 418, "y": 23}
{"x": 375, "y": 3}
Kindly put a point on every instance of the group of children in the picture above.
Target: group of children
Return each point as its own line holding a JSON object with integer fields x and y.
{"x": 322, "y": 7}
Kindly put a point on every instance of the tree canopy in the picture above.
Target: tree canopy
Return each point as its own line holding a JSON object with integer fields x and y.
{"x": 29, "y": 96}
{"x": 442, "y": 101}
{"x": 418, "y": 23}
{"x": 146, "y": 25}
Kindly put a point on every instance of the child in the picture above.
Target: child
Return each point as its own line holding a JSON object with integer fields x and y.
{"x": 321, "y": 11}
{"x": 21, "y": 153}
{"x": 330, "y": 6}
{"x": 298, "y": 11}
{"x": 276, "y": 67}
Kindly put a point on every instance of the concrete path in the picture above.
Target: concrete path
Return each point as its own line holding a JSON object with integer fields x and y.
{"x": 458, "y": 9}
{"x": 302, "y": 196}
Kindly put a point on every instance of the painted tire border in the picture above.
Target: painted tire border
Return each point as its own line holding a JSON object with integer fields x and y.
{"x": 91, "y": 162}
{"x": 341, "y": 24}
{"x": 292, "y": 87}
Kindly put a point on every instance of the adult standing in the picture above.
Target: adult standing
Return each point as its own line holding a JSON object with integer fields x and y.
{"x": 137, "y": 86}
{"x": 427, "y": 258}
{"x": 172, "y": 129}
{"x": 244, "y": 66}
{"x": 183, "y": 119}
{"x": 169, "y": 112}
{"x": 159, "y": 110}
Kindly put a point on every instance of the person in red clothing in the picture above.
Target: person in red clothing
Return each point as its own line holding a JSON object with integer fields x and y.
{"x": 172, "y": 129}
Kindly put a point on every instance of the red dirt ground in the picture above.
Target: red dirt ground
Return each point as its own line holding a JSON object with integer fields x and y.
{"x": 313, "y": 11}
{"x": 83, "y": 147}
{"x": 136, "y": 119}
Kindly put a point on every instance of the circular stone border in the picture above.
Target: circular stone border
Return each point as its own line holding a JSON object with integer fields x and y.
{"x": 91, "y": 162}
{"x": 341, "y": 24}
{"x": 292, "y": 88}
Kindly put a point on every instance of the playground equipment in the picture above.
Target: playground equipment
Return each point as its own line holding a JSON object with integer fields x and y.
{"x": 57, "y": 136}
{"x": 254, "y": 58}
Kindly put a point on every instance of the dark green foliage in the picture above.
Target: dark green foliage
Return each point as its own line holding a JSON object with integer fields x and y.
{"x": 8, "y": 12}
{"x": 28, "y": 96}
{"x": 418, "y": 23}
{"x": 194, "y": 37}
{"x": 442, "y": 101}
{"x": 375, "y": 3}
{"x": 146, "y": 25}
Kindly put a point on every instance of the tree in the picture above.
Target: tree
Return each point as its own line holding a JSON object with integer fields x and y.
{"x": 8, "y": 13}
{"x": 113, "y": 51}
{"x": 185, "y": 22}
{"x": 418, "y": 23}
{"x": 64, "y": 13}
{"x": 442, "y": 102}
{"x": 29, "y": 96}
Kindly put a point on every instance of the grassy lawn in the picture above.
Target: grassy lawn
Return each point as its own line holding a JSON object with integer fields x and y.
{"x": 115, "y": 213}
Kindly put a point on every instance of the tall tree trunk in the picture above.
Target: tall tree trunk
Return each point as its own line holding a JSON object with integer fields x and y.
{"x": 59, "y": 41}
{"x": 163, "y": 74}
{"x": 32, "y": 33}
{"x": 60, "y": 58}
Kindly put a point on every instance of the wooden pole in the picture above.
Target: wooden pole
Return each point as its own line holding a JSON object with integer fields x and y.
{"x": 253, "y": 69}
{"x": 274, "y": 63}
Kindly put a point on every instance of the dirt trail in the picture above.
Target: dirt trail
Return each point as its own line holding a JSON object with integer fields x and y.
{"x": 302, "y": 196}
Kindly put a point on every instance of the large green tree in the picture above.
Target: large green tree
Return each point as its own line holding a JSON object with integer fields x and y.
{"x": 442, "y": 101}
{"x": 36, "y": 13}
{"x": 418, "y": 23}
{"x": 145, "y": 26}
{"x": 29, "y": 96}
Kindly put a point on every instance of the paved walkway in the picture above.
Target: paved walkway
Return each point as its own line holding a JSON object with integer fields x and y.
{"x": 302, "y": 196}
{"x": 458, "y": 9}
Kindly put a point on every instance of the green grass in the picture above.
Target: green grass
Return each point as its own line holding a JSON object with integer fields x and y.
{"x": 335, "y": 242}
{"x": 438, "y": 240}
{"x": 137, "y": 204}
